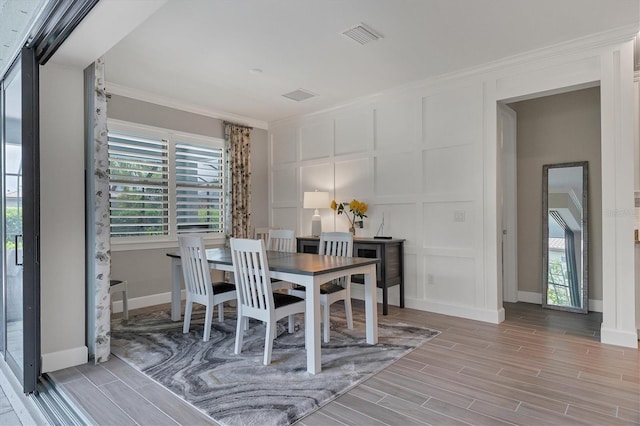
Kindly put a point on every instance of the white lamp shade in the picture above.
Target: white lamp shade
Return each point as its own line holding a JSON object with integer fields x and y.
{"x": 316, "y": 200}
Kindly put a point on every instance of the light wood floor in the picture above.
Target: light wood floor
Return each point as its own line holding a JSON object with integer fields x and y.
{"x": 537, "y": 367}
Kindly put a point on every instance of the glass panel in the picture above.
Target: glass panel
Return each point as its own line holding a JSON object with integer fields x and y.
{"x": 12, "y": 171}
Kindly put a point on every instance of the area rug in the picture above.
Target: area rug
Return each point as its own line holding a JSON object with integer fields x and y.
{"x": 238, "y": 389}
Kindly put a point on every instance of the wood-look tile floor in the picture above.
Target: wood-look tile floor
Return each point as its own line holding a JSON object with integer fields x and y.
{"x": 538, "y": 367}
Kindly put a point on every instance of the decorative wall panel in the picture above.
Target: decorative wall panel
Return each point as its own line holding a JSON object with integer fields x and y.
{"x": 316, "y": 140}
{"x": 449, "y": 225}
{"x": 449, "y": 280}
{"x": 396, "y": 174}
{"x": 395, "y": 123}
{"x": 354, "y": 132}
{"x": 449, "y": 170}
{"x": 443, "y": 112}
{"x": 283, "y": 145}
{"x": 285, "y": 188}
{"x": 353, "y": 180}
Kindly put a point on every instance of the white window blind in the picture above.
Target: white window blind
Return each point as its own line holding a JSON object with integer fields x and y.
{"x": 138, "y": 185}
{"x": 162, "y": 184}
{"x": 199, "y": 188}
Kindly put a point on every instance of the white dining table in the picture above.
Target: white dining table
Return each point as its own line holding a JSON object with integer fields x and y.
{"x": 307, "y": 270}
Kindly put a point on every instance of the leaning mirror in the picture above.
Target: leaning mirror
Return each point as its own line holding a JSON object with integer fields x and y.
{"x": 565, "y": 201}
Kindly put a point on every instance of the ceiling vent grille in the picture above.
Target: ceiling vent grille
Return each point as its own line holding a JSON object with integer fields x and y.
{"x": 361, "y": 34}
{"x": 299, "y": 95}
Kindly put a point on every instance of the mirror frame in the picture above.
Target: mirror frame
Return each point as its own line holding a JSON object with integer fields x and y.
{"x": 585, "y": 236}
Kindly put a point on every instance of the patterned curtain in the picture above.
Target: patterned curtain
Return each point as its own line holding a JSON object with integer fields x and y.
{"x": 99, "y": 243}
{"x": 238, "y": 142}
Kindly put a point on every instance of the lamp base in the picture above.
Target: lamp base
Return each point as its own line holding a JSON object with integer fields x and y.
{"x": 316, "y": 226}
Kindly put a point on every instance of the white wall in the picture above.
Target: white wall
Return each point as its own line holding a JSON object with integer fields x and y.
{"x": 424, "y": 152}
{"x": 62, "y": 249}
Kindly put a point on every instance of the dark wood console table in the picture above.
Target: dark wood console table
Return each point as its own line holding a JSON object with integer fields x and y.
{"x": 390, "y": 271}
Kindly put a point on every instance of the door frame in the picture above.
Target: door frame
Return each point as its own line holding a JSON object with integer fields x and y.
{"x": 507, "y": 138}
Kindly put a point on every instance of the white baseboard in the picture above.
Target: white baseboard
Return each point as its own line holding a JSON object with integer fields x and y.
{"x": 619, "y": 337}
{"x": 54, "y": 361}
{"x": 530, "y": 297}
{"x": 468, "y": 312}
{"x": 144, "y": 301}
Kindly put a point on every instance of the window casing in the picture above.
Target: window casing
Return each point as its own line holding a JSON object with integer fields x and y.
{"x": 164, "y": 183}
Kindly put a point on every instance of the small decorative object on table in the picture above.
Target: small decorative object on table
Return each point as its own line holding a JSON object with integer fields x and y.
{"x": 357, "y": 208}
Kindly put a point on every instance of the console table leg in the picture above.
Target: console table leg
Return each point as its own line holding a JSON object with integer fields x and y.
{"x": 385, "y": 300}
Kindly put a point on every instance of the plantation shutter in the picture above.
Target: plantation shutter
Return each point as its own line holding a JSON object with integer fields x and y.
{"x": 138, "y": 185}
{"x": 199, "y": 189}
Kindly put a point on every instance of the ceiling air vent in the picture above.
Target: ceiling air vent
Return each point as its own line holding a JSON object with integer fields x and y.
{"x": 299, "y": 95}
{"x": 361, "y": 34}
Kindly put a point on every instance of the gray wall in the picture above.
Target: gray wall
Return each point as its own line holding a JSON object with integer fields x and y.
{"x": 148, "y": 270}
{"x": 62, "y": 216}
{"x": 556, "y": 129}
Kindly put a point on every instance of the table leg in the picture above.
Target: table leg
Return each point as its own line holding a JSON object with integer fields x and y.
{"x": 312, "y": 329}
{"x": 176, "y": 293}
{"x": 385, "y": 300}
{"x": 371, "y": 305}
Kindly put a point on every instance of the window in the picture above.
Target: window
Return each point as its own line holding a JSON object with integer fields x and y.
{"x": 162, "y": 184}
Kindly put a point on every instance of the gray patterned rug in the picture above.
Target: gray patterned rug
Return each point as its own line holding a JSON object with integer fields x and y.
{"x": 238, "y": 389}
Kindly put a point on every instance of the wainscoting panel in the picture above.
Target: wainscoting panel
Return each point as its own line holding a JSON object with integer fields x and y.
{"x": 353, "y": 180}
{"x": 449, "y": 280}
{"x": 395, "y": 123}
{"x": 442, "y": 113}
{"x": 286, "y": 217}
{"x": 284, "y": 186}
{"x": 448, "y": 170}
{"x": 449, "y": 225}
{"x": 353, "y": 131}
{"x": 283, "y": 145}
{"x": 396, "y": 174}
{"x": 316, "y": 140}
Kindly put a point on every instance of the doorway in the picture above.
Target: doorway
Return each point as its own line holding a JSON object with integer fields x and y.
{"x": 553, "y": 129}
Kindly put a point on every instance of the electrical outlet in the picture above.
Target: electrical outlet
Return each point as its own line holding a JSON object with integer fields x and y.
{"x": 459, "y": 216}
{"x": 430, "y": 279}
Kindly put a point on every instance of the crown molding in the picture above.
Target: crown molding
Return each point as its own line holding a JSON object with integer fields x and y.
{"x": 141, "y": 95}
{"x": 591, "y": 41}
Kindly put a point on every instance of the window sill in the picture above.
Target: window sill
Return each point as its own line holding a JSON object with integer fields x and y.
{"x": 117, "y": 246}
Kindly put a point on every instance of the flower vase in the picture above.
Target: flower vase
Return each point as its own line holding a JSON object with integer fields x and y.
{"x": 352, "y": 230}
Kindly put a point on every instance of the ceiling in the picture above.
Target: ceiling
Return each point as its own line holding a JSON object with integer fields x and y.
{"x": 16, "y": 19}
{"x": 202, "y": 52}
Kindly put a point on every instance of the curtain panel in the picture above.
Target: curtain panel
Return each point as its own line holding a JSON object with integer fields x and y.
{"x": 238, "y": 144}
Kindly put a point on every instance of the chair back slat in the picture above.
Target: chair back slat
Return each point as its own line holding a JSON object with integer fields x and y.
{"x": 281, "y": 240}
{"x": 262, "y": 233}
{"x": 195, "y": 270}
{"x": 336, "y": 244}
{"x": 251, "y": 271}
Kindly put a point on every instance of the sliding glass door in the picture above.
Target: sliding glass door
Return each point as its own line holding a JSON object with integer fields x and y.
{"x": 20, "y": 220}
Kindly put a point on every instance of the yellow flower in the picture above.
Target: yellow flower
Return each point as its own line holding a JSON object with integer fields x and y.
{"x": 353, "y": 205}
{"x": 334, "y": 205}
{"x": 363, "y": 208}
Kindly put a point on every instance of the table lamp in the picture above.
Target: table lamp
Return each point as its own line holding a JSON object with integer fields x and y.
{"x": 316, "y": 200}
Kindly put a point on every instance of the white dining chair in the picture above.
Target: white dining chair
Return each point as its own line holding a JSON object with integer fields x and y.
{"x": 121, "y": 286}
{"x": 198, "y": 285}
{"x": 281, "y": 240}
{"x": 333, "y": 244}
{"x": 262, "y": 233}
{"x": 256, "y": 298}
